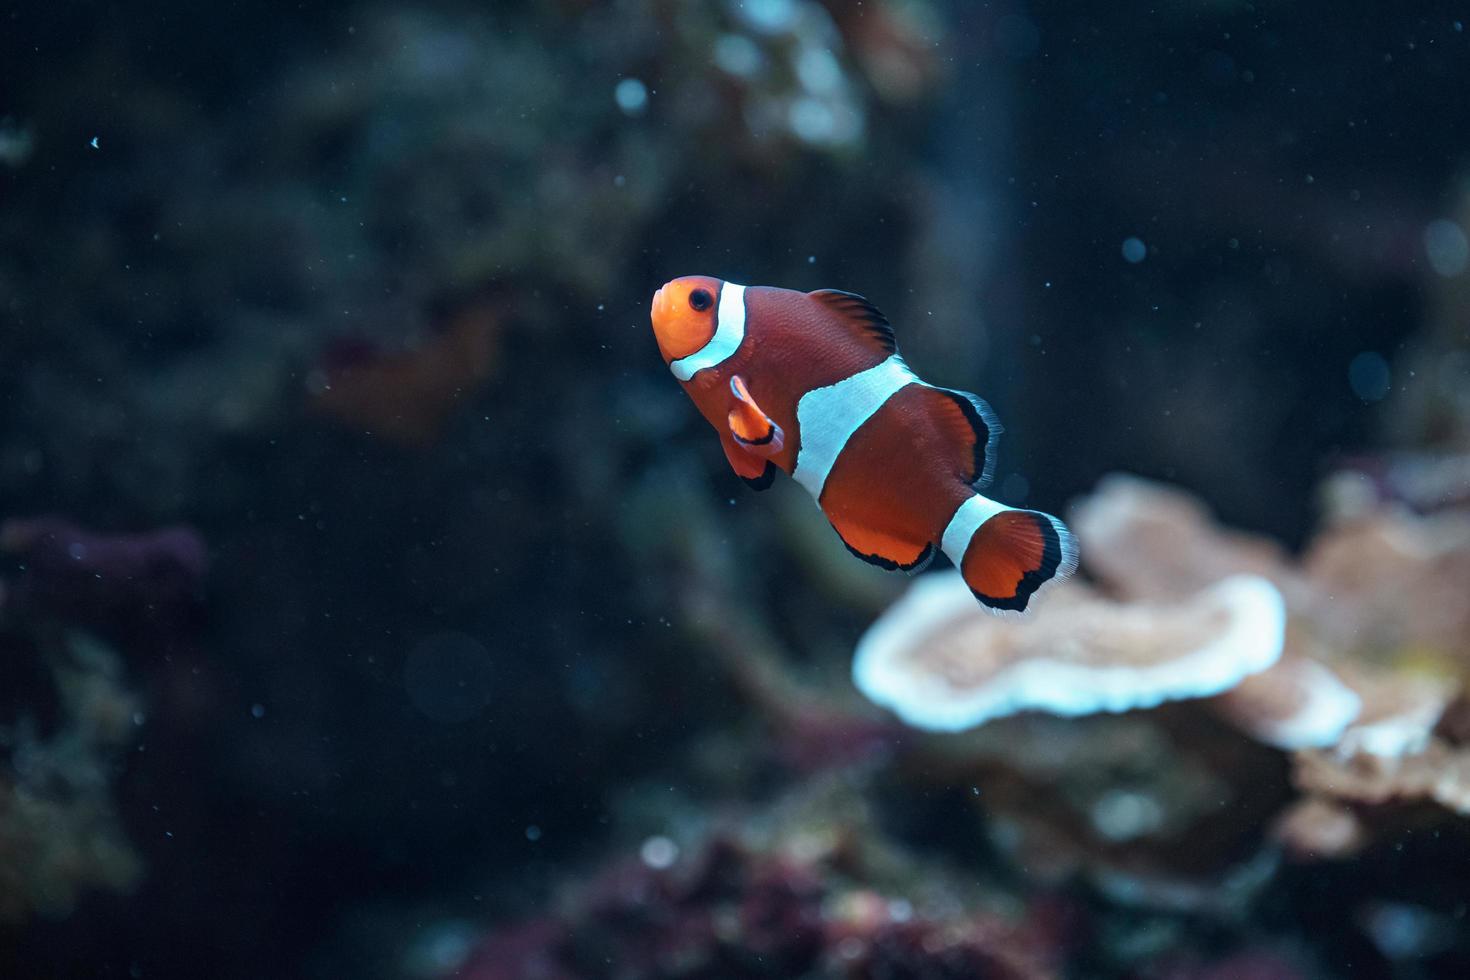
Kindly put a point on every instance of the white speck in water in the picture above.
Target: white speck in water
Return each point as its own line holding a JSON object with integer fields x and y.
{"x": 812, "y": 120}
{"x": 738, "y": 55}
{"x": 139, "y": 718}
{"x": 658, "y": 852}
{"x": 818, "y": 71}
{"x": 77, "y": 550}
{"x": 1369, "y": 375}
{"x": 631, "y": 96}
{"x": 533, "y": 833}
{"x": 1447, "y": 247}
{"x": 1122, "y": 815}
{"x": 257, "y": 711}
{"x": 96, "y": 143}
{"x": 811, "y": 260}
{"x": 1134, "y": 251}
{"x": 768, "y": 16}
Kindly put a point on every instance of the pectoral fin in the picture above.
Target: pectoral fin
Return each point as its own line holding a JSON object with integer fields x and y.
{"x": 755, "y": 471}
{"x": 752, "y": 429}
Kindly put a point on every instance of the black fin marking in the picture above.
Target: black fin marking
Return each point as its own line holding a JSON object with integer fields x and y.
{"x": 987, "y": 428}
{"x": 764, "y": 440}
{"x": 888, "y": 564}
{"x": 1052, "y": 554}
{"x": 762, "y": 482}
{"x": 857, "y": 309}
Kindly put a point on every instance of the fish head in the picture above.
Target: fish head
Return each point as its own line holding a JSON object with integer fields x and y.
{"x": 685, "y": 314}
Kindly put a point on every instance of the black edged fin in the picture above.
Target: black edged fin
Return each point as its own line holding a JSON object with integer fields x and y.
{"x": 987, "y": 428}
{"x": 967, "y": 428}
{"x": 866, "y": 319}
{"x": 886, "y": 563}
{"x": 1015, "y": 554}
{"x": 762, "y": 482}
{"x": 764, "y": 440}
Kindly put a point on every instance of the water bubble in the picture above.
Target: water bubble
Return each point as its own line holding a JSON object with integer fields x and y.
{"x": 631, "y": 96}
{"x": 1134, "y": 251}
{"x": 812, "y": 120}
{"x": 1447, "y": 247}
{"x": 738, "y": 55}
{"x": 818, "y": 71}
{"x": 450, "y": 677}
{"x": 1121, "y": 815}
{"x": 768, "y": 16}
{"x": 659, "y": 852}
{"x": 1369, "y": 376}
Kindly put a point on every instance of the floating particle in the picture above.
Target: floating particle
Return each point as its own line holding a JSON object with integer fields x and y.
{"x": 768, "y": 16}
{"x": 95, "y": 144}
{"x": 533, "y": 833}
{"x": 812, "y": 120}
{"x": 1134, "y": 251}
{"x": 631, "y": 96}
{"x": 1447, "y": 247}
{"x": 1369, "y": 376}
{"x": 449, "y": 677}
{"x": 818, "y": 71}
{"x": 257, "y": 711}
{"x": 738, "y": 55}
{"x": 659, "y": 852}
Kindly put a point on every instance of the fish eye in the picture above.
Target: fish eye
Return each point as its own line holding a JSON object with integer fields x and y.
{"x": 701, "y": 300}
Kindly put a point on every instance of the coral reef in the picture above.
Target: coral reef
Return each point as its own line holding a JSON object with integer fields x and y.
{"x": 813, "y": 898}
{"x": 60, "y": 833}
{"x": 146, "y": 587}
{"x": 943, "y": 663}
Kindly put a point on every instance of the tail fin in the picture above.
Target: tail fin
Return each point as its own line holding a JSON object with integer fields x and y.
{"x": 1006, "y": 554}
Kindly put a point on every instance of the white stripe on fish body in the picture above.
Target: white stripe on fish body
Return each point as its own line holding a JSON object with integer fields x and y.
{"x": 963, "y": 525}
{"x": 827, "y": 417}
{"x": 729, "y": 332}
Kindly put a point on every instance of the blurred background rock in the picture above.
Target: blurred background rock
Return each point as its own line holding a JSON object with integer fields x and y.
{"x": 354, "y": 297}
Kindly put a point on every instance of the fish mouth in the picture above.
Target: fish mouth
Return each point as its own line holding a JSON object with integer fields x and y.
{"x": 658, "y": 302}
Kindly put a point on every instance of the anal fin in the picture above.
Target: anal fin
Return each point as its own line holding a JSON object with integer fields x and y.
{"x": 895, "y": 552}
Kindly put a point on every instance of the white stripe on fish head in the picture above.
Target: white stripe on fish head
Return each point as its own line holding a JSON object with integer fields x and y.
{"x": 729, "y": 332}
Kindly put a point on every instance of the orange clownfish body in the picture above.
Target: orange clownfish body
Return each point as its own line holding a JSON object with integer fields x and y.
{"x": 812, "y": 384}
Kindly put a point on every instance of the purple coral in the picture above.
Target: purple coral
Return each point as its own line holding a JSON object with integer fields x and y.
{"x": 735, "y": 911}
{"x": 118, "y": 584}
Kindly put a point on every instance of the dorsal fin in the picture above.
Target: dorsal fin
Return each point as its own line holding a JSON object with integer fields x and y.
{"x": 866, "y": 320}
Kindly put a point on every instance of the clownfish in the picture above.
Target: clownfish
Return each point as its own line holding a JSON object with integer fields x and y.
{"x": 812, "y": 384}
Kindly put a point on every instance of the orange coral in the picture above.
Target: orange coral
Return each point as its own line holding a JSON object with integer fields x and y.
{"x": 408, "y": 397}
